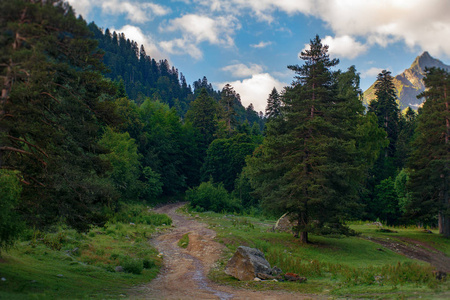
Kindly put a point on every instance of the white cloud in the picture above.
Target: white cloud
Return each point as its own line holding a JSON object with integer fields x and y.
{"x": 261, "y": 44}
{"x": 241, "y": 70}
{"x": 343, "y": 46}
{"x": 82, "y": 7}
{"x": 255, "y": 90}
{"x": 418, "y": 23}
{"x": 372, "y": 72}
{"x": 196, "y": 29}
{"x": 135, "y": 33}
{"x": 181, "y": 46}
{"x": 136, "y": 12}
{"x": 201, "y": 28}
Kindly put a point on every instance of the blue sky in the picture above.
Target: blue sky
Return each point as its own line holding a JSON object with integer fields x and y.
{"x": 249, "y": 43}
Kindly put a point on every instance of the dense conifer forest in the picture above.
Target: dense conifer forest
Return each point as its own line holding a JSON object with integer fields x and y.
{"x": 90, "y": 122}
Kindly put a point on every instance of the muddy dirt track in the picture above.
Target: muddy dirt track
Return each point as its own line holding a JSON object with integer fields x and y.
{"x": 184, "y": 274}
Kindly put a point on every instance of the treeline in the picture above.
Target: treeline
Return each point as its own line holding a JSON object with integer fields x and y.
{"x": 74, "y": 146}
{"x": 89, "y": 121}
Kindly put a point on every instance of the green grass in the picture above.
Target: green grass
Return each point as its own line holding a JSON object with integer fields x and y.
{"x": 338, "y": 267}
{"x": 69, "y": 265}
{"x": 184, "y": 241}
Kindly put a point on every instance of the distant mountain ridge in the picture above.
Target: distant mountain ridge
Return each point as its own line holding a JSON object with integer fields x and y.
{"x": 410, "y": 83}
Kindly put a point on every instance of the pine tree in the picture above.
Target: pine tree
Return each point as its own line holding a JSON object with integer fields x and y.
{"x": 229, "y": 98}
{"x": 203, "y": 116}
{"x": 430, "y": 159}
{"x": 386, "y": 109}
{"x": 308, "y": 164}
{"x": 273, "y": 108}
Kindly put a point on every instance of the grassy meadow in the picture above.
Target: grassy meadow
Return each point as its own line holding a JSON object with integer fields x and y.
{"x": 70, "y": 265}
{"x": 337, "y": 267}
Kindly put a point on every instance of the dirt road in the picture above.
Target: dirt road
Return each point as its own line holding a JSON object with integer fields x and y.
{"x": 184, "y": 274}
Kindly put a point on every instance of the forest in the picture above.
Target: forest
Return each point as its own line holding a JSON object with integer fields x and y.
{"x": 90, "y": 123}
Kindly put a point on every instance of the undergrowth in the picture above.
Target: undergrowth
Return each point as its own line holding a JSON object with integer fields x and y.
{"x": 65, "y": 264}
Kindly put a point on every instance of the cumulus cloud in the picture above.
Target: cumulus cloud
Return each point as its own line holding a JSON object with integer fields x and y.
{"x": 82, "y": 7}
{"x": 372, "y": 72}
{"x": 242, "y": 70}
{"x": 255, "y": 90}
{"x": 182, "y": 46}
{"x": 261, "y": 44}
{"x": 134, "y": 11}
{"x": 135, "y": 33}
{"x": 344, "y": 46}
{"x": 196, "y": 29}
{"x": 418, "y": 23}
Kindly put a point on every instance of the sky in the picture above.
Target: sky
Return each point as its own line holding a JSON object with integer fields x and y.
{"x": 250, "y": 43}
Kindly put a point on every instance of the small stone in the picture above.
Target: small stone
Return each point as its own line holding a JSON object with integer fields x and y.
{"x": 132, "y": 224}
{"x": 275, "y": 280}
{"x": 118, "y": 269}
{"x": 3, "y": 279}
{"x": 257, "y": 279}
{"x": 164, "y": 224}
{"x": 60, "y": 275}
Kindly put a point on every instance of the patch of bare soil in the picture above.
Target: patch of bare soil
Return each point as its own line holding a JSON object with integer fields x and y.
{"x": 417, "y": 250}
{"x": 184, "y": 274}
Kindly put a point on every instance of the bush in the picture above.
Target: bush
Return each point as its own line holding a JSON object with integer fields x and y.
{"x": 11, "y": 225}
{"x": 210, "y": 197}
{"x": 132, "y": 265}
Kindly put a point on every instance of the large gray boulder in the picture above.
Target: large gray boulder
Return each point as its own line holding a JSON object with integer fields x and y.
{"x": 247, "y": 263}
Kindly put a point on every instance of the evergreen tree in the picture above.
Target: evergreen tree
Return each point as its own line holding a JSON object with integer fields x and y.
{"x": 50, "y": 118}
{"x": 273, "y": 108}
{"x": 386, "y": 109}
{"x": 430, "y": 159}
{"x": 308, "y": 164}
{"x": 203, "y": 116}
{"x": 229, "y": 99}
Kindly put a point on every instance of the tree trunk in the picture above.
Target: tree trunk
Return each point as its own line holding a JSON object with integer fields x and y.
{"x": 304, "y": 237}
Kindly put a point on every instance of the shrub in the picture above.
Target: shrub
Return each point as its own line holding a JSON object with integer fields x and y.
{"x": 11, "y": 225}
{"x": 210, "y": 197}
{"x": 132, "y": 265}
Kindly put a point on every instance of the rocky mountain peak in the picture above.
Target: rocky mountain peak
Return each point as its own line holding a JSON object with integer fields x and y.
{"x": 410, "y": 83}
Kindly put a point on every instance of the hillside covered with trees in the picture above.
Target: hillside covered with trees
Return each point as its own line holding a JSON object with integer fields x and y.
{"x": 89, "y": 122}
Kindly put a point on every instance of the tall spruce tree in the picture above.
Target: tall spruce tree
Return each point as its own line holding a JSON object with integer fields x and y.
{"x": 309, "y": 164}
{"x": 273, "y": 108}
{"x": 386, "y": 109}
{"x": 53, "y": 105}
{"x": 430, "y": 159}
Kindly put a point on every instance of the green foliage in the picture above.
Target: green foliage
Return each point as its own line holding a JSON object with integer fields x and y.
{"x": 169, "y": 147}
{"x": 132, "y": 265}
{"x": 309, "y": 163}
{"x": 386, "y": 201}
{"x": 203, "y": 116}
{"x": 137, "y": 214}
{"x": 225, "y": 159}
{"x": 89, "y": 260}
{"x": 212, "y": 197}
{"x": 51, "y": 116}
{"x": 153, "y": 185}
{"x": 430, "y": 158}
{"x": 401, "y": 187}
{"x": 11, "y": 225}
{"x": 124, "y": 159}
